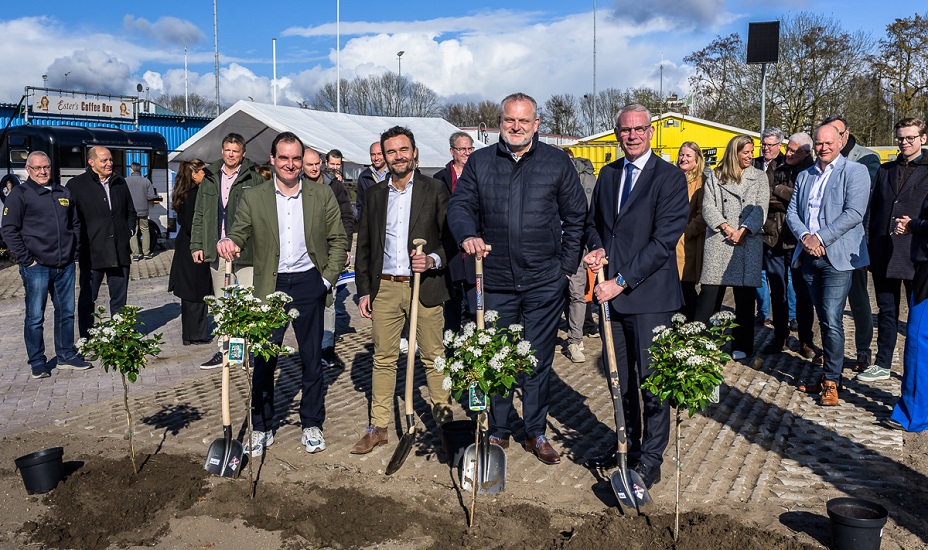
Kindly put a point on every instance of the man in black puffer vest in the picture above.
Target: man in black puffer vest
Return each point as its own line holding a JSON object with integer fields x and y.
{"x": 522, "y": 197}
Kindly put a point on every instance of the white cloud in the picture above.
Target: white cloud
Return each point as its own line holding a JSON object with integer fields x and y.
{"x": 166, "y": 30}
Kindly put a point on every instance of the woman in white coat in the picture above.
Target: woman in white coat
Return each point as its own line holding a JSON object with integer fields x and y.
{"x": 734, "y": 208}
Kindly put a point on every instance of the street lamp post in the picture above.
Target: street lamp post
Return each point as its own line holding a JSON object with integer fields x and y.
{"x": 45, "y": 81}
{"x": 399, "y": 62}
{"x": 66, "y": 79}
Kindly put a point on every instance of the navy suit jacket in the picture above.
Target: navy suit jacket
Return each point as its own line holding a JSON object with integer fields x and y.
{"x": 640, "y": 240}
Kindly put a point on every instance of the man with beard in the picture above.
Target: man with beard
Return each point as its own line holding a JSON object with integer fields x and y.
{"x": 523, "y": 197}
{"x": 107, "y": 220}
{"x": 406, "y": 207}
{"x": 299, "y": 248}
{"x": 312, "y": 168}
{"x": 373, "y": 174}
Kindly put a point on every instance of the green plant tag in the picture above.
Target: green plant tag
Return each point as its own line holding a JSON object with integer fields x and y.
{"x": 476, "y": 399}
{"x": 236, "y": 351}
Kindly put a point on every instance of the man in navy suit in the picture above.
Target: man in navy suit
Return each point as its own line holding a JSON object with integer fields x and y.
{"x": 826, "y": 215}
{"x": 638, "y": 212}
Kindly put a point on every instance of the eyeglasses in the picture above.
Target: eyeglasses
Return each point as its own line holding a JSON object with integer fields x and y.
{"x": 769, "y": 145}
{"x": 639, "y": 130}
{"x": 45, "y": 168}
{"x": 907, "y": 139}
{"x": 467, "y": 150}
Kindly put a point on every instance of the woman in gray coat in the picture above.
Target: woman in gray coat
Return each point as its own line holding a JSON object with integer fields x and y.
{"x": 734, "y": 208}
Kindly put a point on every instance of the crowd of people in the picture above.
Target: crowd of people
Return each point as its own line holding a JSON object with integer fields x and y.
{"x": 811, "y": 223}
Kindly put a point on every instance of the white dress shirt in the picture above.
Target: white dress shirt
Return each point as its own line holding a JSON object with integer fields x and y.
{"x": 396, "y": 260}
{"x": 639, "y": 163}
{"x": 294, "y": 257}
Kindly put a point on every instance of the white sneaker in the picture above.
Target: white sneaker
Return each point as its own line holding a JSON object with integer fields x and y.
{"x": 312, "y": 438}
{"x": 259, "y": 440}
{"x": 575, "y": 351}
{"x": 404, "y": 345}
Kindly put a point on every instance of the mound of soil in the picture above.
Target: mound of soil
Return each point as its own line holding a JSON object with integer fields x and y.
{"x": 103, "y": 502}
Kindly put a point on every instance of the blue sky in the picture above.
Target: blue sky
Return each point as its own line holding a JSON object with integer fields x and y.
{"x": 465, "y": 50}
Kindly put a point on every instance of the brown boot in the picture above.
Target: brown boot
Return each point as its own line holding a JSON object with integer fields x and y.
{"x": 818, "y": 386}
{"x": 375, "y": 436}
{"x": 829, "y": 393}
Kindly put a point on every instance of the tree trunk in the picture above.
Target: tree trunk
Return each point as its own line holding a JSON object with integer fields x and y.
{"x": 125, "y": 402}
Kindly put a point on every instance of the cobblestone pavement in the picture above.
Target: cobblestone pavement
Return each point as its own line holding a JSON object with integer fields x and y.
{"x": 764, "y": 443}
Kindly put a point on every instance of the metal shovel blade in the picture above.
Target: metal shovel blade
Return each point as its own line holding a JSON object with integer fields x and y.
{"x": 630, "y": 488}
{"x": 401, "y": 452}
{"x": 224, "y": 457}
{"x": 489, "y": 471}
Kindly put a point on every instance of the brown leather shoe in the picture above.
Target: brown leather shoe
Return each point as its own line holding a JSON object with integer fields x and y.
{"x": 501, "y": 441}
{"x": 806, "y": 351}
{"x": 862, "y": 363}
{"x": 829, "y": 393}
{"x": 541, "y": 448}
{"x": 375, "y": 436}
{"x": 818, "y": 386}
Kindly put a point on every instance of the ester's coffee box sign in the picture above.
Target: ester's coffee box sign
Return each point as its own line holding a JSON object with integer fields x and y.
{"x": 82, "y": 106}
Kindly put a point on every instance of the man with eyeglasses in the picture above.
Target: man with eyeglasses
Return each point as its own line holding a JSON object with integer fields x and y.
{"x": 42, "y": 231}
{"x": 771, "y": 139}
{"x": 522, "y": 197}
{"x": 462, "y": 269}
{"x": 372, "y": 175}
{"x": 858, "y": 297}
{"x": 638, "y": 211}
{"x": 900, "y": 189}
{"x": 108, "y": 221}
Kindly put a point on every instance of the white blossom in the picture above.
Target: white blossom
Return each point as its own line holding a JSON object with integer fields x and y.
{"x": 496, "y": 364}
{"x": 459, "y": 341}
{"x": 476, "y": 352}
{"x": 265, "y": 308}
{"x": 490, "y": 316}
{"x": 523, "y": 348}
{"x": 468, "y": 330}
{"x": 439, "y": 364}
{"x": 678, "y": 318}
{"x": 483, "y": 338}
{"x": 448, "y": 338}
{"x": 696, "y": 360}
{"x": 118, "y": 318}
{"x": 515, "y": 327}
{"x": 293, "y": 313}
{"x": 446, "y": 383}
{"x": 457, "y": 366}
{"x": 721, "y": 318}
{"x": 659, "y": 329}
{"x": 710, "y": 346}
{"x": 533, "y": 360}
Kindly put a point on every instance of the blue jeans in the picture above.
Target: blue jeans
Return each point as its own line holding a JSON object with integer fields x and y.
{"x": 763, "y": 296}
{"x": 828, "y": 289}
{"x": 40, "y": 281}
{"x": 790, "y": 292}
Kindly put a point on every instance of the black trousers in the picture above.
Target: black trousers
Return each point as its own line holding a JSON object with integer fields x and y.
{"x": 539, "y": 311}
{"x": 117, "y": 280}
{"x": 690, "y": 297}
{"x": 194, "y": 324}
{"x": 776, "y": 262}
{"x": 647, "y": 420}
{"x": 309, "y": 293}
{"x": 710, "y": 302}
{"x": 888, "y": 293}
{"x": 457, "y": 309}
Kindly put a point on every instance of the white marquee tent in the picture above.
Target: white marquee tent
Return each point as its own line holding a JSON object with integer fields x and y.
{"x": 260, "y": 123}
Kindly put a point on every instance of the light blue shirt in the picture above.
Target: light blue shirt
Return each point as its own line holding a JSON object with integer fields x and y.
{"x": 816, "y": 193}
{"x": 395, "y": 256}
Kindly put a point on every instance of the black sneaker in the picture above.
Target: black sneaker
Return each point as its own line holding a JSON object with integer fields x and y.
{"x": 331, "y": 358}
{"x": 214, "y": 362}
{"x": 136, "y": 257}
{"x": 40, "y": 372}
{"x": 75, "y": 363}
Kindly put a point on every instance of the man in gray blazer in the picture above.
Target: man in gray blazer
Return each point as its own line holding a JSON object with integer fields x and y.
{"x": 826, "y": 214}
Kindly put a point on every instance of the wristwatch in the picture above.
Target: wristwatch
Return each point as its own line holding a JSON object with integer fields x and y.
{"x": 620, "y": 280}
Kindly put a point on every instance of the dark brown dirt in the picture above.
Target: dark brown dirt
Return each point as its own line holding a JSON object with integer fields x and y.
{"x": 103, "y": 503}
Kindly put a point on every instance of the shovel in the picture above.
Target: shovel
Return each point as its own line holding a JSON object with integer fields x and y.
{"x": 627, "y": 484}
{"x": 224, "y": 457}
{"x": 483, "y": 468}
{"x": 402, "y": 450}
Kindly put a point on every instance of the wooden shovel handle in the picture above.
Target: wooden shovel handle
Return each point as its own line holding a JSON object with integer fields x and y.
{"x": 614, "y": 387}
{"x": 478, "y": 289}
{"x": 413, "y": 329}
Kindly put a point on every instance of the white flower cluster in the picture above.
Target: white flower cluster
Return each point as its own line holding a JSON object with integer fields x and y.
{"x": 293, "y": 313}
{"x": 457, "y": 366}
{"x": 118, "y": 318}
{"x": 446, "y": 383}
{"x": 282, "y": 296}
{"x": 721, "y": 318}
{"x": 697, "y": 361}
{"x": 496, "y": 363}
{"x": 490, "y": 316}
{"x": 476, "y": 352}
{"x": 523, "y": 348}
{"x": 483, "y": 338}
{"x": 659, "y": 329}
{"x": 448, "y": 338}
{"x": 440, "y": 363}
{"x": 533, "y": 360}
{"x": 516, "y": 328}
{"x": 468, "y": 330}
{"x": 692, "y": 329}
{"x": 678, "y": 319}
{"x": 683, "y": 353}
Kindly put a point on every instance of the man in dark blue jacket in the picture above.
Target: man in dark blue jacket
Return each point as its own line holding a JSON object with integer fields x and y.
{"x": 638, "y": 212}
{"x": 41, "y": 228}
{"x": 522, "y": 197}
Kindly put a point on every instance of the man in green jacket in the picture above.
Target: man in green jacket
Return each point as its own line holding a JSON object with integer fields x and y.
{"x": 217, "y": 202}
{"x": 304, "y": 264}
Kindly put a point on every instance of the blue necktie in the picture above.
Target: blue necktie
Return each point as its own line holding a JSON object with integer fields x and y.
{"x": 627, "y": 188}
